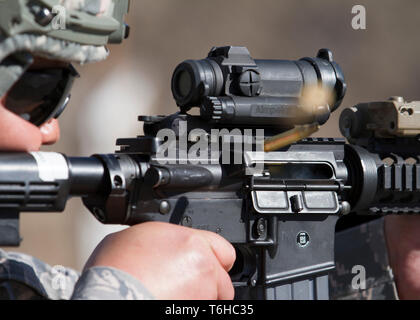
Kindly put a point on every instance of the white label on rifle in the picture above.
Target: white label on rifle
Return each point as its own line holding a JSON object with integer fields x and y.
{"x": 51, "y": 166}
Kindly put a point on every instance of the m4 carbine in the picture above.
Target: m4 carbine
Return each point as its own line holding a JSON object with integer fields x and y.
{"x": 278, "y": 208}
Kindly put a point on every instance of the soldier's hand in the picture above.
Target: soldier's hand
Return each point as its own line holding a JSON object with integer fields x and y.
{"x": 403, "y": 240}
{"x": 172, "y": 262}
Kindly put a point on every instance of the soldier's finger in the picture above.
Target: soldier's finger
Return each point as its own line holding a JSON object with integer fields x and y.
{"x": 221, "y": 248}
{"x": 224, "y": 286}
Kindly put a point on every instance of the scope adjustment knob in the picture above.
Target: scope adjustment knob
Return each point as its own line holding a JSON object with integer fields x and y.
{"x": 250, "y": 83}
{"x": 212, "y": 109}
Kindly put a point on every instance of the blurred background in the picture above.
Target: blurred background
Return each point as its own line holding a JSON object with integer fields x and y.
{"x": 378, "y": 62}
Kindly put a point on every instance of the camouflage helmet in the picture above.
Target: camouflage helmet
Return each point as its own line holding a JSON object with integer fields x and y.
{"x": 65, "y": 30}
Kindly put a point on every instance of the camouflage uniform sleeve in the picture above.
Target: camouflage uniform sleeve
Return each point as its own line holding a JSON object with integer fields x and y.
{"x": 25, "y": 277}
{"x": 362, "y": 269}
{"x": 105, "y": 283}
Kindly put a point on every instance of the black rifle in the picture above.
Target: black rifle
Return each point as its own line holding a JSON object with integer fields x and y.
{"x": 278, "y": 208}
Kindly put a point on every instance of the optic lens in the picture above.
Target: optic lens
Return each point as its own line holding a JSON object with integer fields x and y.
{"x": 194, "y": 80}
{"x": 184, "y": 83}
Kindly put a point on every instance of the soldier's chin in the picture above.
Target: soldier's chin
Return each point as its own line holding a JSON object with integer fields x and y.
{"x": 17, "y": 134}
